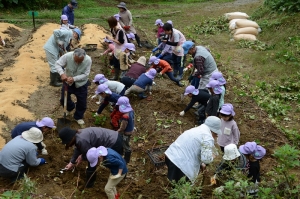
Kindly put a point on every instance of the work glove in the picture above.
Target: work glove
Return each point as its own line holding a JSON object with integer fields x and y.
{"x": 114, "y": 176}
{"x": 43, "y": 144}
{"x": 44, "y": 151}
{"x": 155, "y": 49}
{"x": 126, "y": 27}
{"x": 185, "y": 69}
{"x": 159, "y": 56}
{"x": 182, "y": 113}
{"x": 43, "y": 161}
{"x": 69, "y": 166}
{"x": 110, "y": 54}
{"x": 94, "y": 96}
{"x": 101, "y": 54}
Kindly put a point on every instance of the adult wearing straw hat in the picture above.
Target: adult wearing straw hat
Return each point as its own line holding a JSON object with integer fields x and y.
{"x": 20, "y": 153}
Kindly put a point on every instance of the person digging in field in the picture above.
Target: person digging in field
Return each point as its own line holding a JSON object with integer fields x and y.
{"x": 175, "y": 39}
{"x": 230, "y": 131}
{"x": 160, "y": 30}
{"x": 109, "y": 51}
{"x": 114, "y": 162}
{"x": 64, "y": 23}
{"x": 134, "y": 72}
{"x": 203, "y": 61}
{"x": 74, "y": 69}
{"x": 126, "y": 21}
{"x": 68, "y": 10}
{"x": 126, "y": 125}
{"x": 232, "y": 158}
{"x": 142, "y": 84}
{"x": 85, "y": 139}
{"x": 165, "y": 53}
{"x": 201, "y": 96}
{"x": 114, "y": 86}
{"x": 123, "y": 58}
{"x": 56, "y": 43}
{"x": 119, "y": 38}
{"x": 215, "y": 90}
{"x": 193, "y": 149}
{"x": 20, "y": 153}
{"x": 117, "y": 16}
{"x": 108, "y": 97}
{"x": 44, "y": 125}
{"x": 254, "y": 153}
{"x": 163, "y": 67}
{"x": 218, "y": 76}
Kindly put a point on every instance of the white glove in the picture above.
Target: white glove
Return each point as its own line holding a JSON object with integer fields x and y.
{"x": 110, "y": 54}
{"x": 181, "y": 113}
{"x": 154, "y": 83}
{"x": 43, "y": 144}
{"x": 114, "y": 177}
{"x": 150, "y": 93}
{"x": 44, "y": 152}
{"x": 93, "y": 96}
{"x": 185, "y": 69}
{"x": 101, "y": 54}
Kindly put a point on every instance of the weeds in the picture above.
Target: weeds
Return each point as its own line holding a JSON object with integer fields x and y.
{"x": 208, "y": 27}
{"x": 255, "y": 45}
{"x": 99, "y": 120}
{"x": 184, "y": 189}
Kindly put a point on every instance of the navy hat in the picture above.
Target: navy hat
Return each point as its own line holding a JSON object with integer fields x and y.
{"x": 74, "y": 3}
{"x": 66, "y": 135}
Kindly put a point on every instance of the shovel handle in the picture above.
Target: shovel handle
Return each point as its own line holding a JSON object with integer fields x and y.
{"x": 65, "y": 97}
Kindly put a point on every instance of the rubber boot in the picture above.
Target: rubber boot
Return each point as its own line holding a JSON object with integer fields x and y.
{"x": 117, "y": 73}
{"x": 127, "y": 156}
{"x": 53, "y": 80}
{"x": 138, "y": 41}
{"x": 90, "y": 178}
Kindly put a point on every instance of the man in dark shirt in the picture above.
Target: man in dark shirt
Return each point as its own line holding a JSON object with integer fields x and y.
{"x": 69, "y": 11}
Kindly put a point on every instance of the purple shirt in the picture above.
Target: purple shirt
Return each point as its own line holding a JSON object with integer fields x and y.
{"x": 230, "y": 133}
{"x": 135, "y": 70}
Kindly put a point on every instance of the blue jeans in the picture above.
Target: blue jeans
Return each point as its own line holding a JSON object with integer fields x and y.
{"x": 81, "y": 96}
{"x": 195, "y": 81}
{"x": 178, "y": 64}
{"x": 170, "y": 75}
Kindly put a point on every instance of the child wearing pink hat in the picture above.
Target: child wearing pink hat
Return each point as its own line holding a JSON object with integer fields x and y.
{"x": 64, "y": 22}
{"x": 126, "y": 125}
{"x": 230, "y": 131}
{"x": 214, "y": 100}
{"x": 160, "y": 29}
{"x": 219, "y": 77}
{"x": 114, "y": 162}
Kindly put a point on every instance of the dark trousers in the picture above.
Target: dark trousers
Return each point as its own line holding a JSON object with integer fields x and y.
{"x": 12, "y": 175}
{"x": 168, "y": 57}
{"x": 116, "y": 62}
{"x": 170, "y": 75}
{"x": 81, "y": 96}
{"x": 138, "y": 41}
{"x": 178, "y": 64}
{"x": 195, "y": 82}
{"x": 174, "y": 173}
{"x": 118, "y": 146}
{"x": 127, "y": 81}
{"x": 123, "y": 91}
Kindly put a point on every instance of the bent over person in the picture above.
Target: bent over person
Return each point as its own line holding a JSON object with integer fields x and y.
{"x": 74, "y": 69}
{"x": 20, "y": 153}
{"x": 84, "y": 139}
{"x": 192, "y": 149}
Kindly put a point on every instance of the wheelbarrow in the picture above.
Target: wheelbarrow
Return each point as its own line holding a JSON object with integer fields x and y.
{"x": 64, "y": 122}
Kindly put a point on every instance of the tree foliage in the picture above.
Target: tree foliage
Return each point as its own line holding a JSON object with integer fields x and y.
{"x": 33, "y": 4}
{"x": 283, "y": 5}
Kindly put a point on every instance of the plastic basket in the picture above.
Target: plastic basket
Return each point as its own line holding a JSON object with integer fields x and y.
{"x": 157, "y": 155}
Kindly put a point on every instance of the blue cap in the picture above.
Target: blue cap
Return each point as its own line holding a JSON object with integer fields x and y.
{"x": 187, "y": 46}
{"x": 78, "y": 32}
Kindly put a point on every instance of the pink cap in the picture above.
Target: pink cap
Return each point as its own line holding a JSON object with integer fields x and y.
{"x": 64, "y": 17}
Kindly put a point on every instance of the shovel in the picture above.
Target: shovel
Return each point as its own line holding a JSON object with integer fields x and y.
{"x": 64, "y": 122}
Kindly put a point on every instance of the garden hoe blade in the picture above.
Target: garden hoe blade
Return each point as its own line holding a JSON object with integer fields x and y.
{"x": 64, "y": 122}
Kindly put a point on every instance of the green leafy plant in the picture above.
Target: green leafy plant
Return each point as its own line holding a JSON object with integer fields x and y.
{"x": 209, "y": 26}
{"x": 184, "y": 189}
{"x": 255, "y": 45}
{"x": 26, "y": 190}
{"x": 283, "y": 5}
{"x": 99, "y": 120}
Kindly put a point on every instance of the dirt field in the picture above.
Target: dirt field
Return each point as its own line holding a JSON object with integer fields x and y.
{"x": 26, "y": 96}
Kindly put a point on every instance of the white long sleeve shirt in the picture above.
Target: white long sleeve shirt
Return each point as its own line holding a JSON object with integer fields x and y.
{"x": 192, "y": 148}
